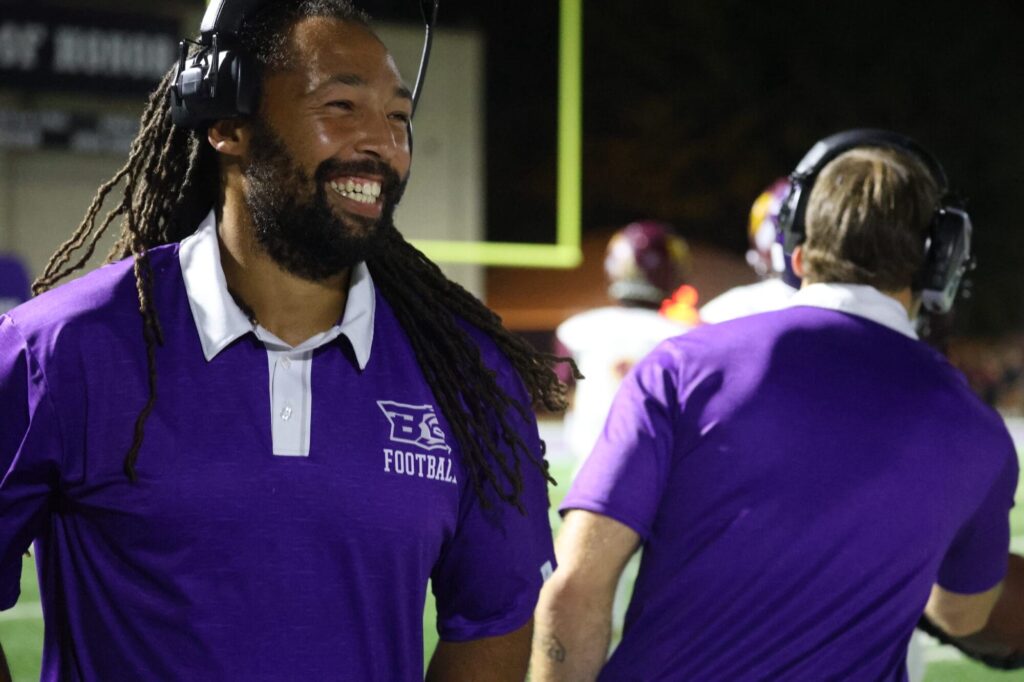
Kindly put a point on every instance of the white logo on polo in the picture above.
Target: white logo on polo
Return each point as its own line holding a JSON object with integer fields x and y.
{"x": 419, "y": 465}
{"x": 414, "y": 424}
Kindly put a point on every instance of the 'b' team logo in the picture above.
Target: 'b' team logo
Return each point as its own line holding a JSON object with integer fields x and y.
{"x": 414, "y": 424}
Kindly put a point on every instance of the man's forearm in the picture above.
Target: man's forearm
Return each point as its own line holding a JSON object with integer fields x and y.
{"x": 571, "y": 633}
{"x": 1000, "y": 642}
{"x": 961, "y": 614}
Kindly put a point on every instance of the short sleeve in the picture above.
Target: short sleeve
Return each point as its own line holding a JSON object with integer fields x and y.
{"x": 490, "y": 573}
{"x": 977, "y": 559}
{"x": 29, "y": 456}
{"x": 625, "y": 474}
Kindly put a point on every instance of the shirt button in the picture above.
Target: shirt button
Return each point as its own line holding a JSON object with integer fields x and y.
{"x": 286, "y": 413}
{"x": 286, "y": 362}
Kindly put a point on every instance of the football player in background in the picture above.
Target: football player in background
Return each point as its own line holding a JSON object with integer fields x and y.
{"x": 768, "y": 260}
{"x": 646, "y": 264}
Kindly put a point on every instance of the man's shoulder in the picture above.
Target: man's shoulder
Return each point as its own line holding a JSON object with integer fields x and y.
{"x": 101, "y": 296}
{"x": 968, "y": 416}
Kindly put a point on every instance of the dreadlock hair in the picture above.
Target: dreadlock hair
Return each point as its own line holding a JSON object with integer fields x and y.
{"x": 171, "y": 180}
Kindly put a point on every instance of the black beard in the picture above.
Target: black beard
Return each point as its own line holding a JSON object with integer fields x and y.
{"x": 293, "y": 219}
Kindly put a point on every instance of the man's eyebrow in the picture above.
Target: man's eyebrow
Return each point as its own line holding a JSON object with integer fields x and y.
{"x": 354, "y": 80}
{"x": 344, "y": 79}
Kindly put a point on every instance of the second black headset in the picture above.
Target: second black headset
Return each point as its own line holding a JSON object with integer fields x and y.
{"x": 948, "y": 243}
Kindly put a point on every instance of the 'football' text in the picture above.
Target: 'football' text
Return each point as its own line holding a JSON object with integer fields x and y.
{"x": 418, "y": 464}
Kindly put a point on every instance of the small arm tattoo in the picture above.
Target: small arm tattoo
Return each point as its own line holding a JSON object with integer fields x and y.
{"x": 553, "y": 648}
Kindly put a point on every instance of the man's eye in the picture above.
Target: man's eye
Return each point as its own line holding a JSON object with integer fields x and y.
{"x": 400, "y": 116}
{"x": 341, "y": 104}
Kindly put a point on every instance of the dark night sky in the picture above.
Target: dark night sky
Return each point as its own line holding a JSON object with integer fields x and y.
{"x": 692, "y": 107}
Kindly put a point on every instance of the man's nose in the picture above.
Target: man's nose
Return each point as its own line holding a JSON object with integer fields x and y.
{"x": 381, "y": 137}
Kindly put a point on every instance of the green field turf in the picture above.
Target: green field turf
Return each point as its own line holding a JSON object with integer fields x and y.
{"x": 21, "y": 628}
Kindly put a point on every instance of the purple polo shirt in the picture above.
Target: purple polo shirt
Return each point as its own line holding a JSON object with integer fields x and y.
{"x": 226, "y": 561}
{"x": 799, "y": 479}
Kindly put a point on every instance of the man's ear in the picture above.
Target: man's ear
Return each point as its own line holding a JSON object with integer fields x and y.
{"x": 797, "y": 261}
{"x": 229, "y": 136}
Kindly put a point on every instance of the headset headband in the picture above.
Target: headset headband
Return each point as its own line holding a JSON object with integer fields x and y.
{"x": 226, "y": 16}
{"x": 832, "y": 146}
{"x": 221, "y": 81}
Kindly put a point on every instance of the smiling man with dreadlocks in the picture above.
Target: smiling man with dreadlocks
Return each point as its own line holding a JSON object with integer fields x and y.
{"x": 312, "y": 422}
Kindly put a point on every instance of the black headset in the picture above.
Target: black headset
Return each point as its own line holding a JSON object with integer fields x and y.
{"x": 222, "y": 81}
{"x": 948, "y": 243}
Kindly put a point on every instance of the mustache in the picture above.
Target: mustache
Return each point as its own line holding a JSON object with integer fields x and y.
{"x": 391, "y": 182}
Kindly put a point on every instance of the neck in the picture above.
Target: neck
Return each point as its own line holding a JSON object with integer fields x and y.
{"x": 905, "y": 297}
{"x": 288, "y": 306}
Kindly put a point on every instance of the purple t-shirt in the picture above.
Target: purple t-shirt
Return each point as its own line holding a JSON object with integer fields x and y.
{"x": 799, "y": 479}
{"x": 225, "y": 561}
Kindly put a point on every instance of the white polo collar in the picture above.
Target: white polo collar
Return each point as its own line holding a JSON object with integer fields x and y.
{"x": 220, "y": 321}
{"x": 857, "y": 299}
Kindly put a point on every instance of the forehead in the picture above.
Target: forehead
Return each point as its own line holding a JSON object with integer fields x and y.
{"x": 323, "y": 47}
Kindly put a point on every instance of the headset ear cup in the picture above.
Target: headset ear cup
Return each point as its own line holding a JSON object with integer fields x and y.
{"x": 224, "y": 104}
{"x": 947, "y": 259}
{"x": 247, "y": 84}
{"x": 187, "y": 84}
{"x": 790, "y": 223}
{"x": 201, "y": 97}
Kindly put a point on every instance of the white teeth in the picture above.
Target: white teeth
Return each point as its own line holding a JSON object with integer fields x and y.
{"x": 356, "y": 192}
{"x": 364, "y": 192}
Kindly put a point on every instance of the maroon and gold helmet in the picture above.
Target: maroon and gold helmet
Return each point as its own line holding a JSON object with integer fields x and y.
{"x": 645, "y": 262}
{"x": 766, "y": 254}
